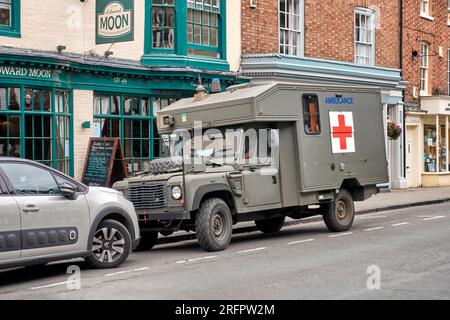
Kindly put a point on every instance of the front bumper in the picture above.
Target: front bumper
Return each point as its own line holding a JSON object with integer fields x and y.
{"x": 135, "y": 243}
{"x": 151, "y": 215}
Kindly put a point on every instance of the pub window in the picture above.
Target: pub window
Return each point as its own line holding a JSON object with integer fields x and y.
{"x": 10, "y": 18}
{"x": 311, "y": 115}
{"x": 203, "y": 19}
{"x": 161, "y": 143}
{"x": 36, "y": 124}
{"x": 163, "y": 24}
{"x": 130, "y": 119}
{"x": 187, "y": 28}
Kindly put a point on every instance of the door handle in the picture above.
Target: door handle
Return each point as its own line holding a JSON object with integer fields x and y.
{"x": 30, "y": 209}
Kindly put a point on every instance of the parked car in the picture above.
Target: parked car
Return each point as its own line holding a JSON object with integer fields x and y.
{"x": 47, "y": 216}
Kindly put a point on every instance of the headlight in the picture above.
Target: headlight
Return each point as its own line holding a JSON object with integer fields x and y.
{"x": 176, "y": 193}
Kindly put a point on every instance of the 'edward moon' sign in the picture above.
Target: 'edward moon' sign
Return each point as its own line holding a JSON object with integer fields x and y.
{"x": 115, "y": 21}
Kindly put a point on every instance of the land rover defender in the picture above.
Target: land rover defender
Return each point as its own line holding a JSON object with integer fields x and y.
{"x": 267, "y": 152}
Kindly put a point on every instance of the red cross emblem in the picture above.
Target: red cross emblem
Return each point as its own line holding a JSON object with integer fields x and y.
{"x": 342, "y": 132}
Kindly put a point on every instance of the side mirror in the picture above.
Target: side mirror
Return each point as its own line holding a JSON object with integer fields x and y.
{"x": 68, "y": 191}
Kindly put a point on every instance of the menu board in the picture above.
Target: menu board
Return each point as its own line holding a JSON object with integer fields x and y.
{"x": 104, "y": 163}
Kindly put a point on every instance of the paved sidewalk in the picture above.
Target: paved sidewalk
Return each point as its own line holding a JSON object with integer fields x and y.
{"x": 396, "y": 199}
{"x": 391, "y": 200}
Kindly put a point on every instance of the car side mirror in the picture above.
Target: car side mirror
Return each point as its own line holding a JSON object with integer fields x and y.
{"x": 68, "y": 191}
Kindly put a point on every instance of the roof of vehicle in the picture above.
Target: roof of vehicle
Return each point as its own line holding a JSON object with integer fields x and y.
{"x": 234, "y": 94}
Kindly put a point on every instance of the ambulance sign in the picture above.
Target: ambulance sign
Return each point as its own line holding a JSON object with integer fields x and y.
{"x": 342, "y": 132}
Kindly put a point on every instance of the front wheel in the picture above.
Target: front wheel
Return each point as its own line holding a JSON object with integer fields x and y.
{"x": 214, "y": 225}
{"x": 111, "y": 245}
{"x": 340, "y": 214}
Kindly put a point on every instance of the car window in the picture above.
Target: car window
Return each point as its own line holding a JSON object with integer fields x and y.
{"x": 311, "y": 115}
{"x": 28, "y": 179}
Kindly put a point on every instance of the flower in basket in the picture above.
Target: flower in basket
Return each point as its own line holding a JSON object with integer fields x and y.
{"x": 394, "y": 130}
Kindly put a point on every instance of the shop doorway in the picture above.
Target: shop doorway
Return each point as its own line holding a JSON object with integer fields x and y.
{"x": 413, "y": 171}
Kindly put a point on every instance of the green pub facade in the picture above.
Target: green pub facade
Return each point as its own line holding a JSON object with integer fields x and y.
{"x": 142, "y": 56}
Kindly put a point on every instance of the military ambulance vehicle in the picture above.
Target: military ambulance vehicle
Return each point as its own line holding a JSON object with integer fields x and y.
{"x": 325, "y": 150}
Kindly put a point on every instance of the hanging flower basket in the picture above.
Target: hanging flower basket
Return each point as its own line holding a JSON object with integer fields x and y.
{"x": 394, "y": 130}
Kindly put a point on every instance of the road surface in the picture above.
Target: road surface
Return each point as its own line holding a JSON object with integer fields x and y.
{"x": 407, "y": 250}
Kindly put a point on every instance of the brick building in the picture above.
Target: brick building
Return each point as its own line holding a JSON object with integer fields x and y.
{"x": 71, "y": 70}
{"x": 339, "y": 42}
{"x": 426, "y": 66}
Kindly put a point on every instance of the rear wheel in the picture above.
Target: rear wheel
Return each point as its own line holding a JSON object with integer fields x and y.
{"x": 214, "y": 225}
{"x": 111, "y": 245}
{"x": 340, "y": 214}
{"x": 148, "y": 241}
{"x": 270, "y": 225}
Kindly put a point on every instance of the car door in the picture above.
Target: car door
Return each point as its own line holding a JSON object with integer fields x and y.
{"x": 261, "y": 174}
{"x": 51, "y": 224}
{"x": 9, "y": 226}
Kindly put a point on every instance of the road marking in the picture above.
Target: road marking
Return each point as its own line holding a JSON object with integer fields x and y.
{"x": 52, "y": 285}
{"x": 434, "y": 218}
{"x": 373, "y": 229}
{"x": 400, "y": 224}
{"x": 372, "y": 217}
{"x": 252, "y": 250}
{"x": 426, "y": 216}
{"x": 117, "y": 273}
{"x": 141, "y": 269}
{"x": 203, "y": 258}
{"x": 301, "y": 241}
{"x": 340, "y": 234}
{"x": 182, "y": 261}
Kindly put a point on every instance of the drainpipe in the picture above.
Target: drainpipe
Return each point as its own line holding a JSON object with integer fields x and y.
{"x": 403, "y": 91}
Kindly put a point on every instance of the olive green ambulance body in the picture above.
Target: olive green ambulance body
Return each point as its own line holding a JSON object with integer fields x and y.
{"x": 331, "y": 147}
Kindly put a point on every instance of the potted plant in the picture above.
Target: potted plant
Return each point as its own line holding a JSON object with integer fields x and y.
{"x": 394, "y": 130}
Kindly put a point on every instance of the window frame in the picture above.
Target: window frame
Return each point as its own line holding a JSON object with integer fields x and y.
{"x": 426, "y": 4}
{"x": 301, "y": 30}
{"x": 12, "y": 30}
{"x": 179, "y": 54}
{"x": 304, "y": 113}
{"x": 150, "y": 12}
{"x": 370, "y": 14}
{"x": 209, "y": 26}
{"x": 121, "y": 117}
{"x": 424, "y": 67}
{"x": 54, "y": 113}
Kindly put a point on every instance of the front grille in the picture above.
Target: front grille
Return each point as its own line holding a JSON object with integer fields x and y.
{"x": 149, "y": 196}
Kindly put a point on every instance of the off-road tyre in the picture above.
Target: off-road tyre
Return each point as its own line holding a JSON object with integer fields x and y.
{"x": 340, "y": 214}
{"x": 214, "y": 225}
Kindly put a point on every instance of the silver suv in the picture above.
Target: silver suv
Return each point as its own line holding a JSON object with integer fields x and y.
{"x": 47, "y": 216}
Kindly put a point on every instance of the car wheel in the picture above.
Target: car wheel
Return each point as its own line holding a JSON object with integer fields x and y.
{"x": 214, "y": 225}
{"x": 270, "y": 225}
{"x": 340, "y": 214}
{"x": 147, "y": 242}
{"x": 111, "y": 245}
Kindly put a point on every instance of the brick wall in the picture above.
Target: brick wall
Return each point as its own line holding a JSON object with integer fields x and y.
{"x": 329, "y": 29}
{"x": 436, "y": 33}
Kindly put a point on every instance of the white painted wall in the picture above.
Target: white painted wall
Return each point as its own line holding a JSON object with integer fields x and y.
{"x": 234, "y": 44}
{"x": 45, "y": 24}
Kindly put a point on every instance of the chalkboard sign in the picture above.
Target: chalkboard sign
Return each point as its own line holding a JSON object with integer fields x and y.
{"x": 104, "y": 163}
